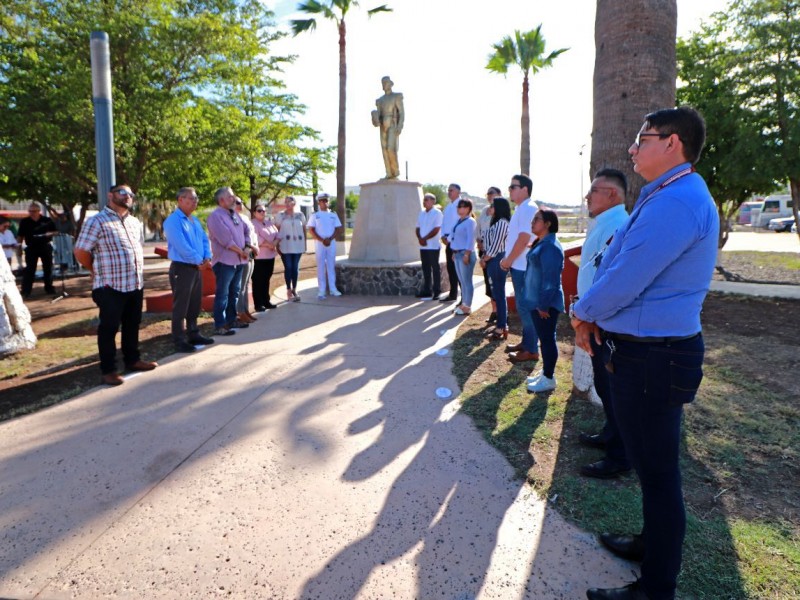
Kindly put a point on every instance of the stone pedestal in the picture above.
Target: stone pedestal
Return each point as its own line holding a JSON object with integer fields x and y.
{"x": 385, "y": 222}
{"x": 15, "y": 320}
{"x": 384, "y": 252}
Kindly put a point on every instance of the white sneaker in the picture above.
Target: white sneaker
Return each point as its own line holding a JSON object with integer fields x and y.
{"x": 544, "y": 384}
{"x": 535, "y": 377}
{"x": 335, "y": 292}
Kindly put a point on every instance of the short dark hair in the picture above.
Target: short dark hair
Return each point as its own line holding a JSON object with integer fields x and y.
{"x": 615, "y": 175}
{"x": 686, "y": 123}
{"x": 524, "y": 181}
{"x": 494, "y": 190}
{"x": 185, "y": 190}
{"x": 502, "y": 210}
{"x": 551, "y": 218}
{"x": 454, "y": 185}
{"x": 465, "y": 202}
{"x": 118, "y": 186}
{"x": 4, "y": 220}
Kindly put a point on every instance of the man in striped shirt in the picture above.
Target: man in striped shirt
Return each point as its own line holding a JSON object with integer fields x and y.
{"x": 110, "y": 248}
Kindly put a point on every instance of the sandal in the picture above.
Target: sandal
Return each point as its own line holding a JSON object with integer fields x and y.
{"x": 498, "y": 334}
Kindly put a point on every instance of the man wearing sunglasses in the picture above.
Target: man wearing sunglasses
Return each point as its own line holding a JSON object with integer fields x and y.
{"x": 644, "y": 308}
{"x": 110, "y": 248}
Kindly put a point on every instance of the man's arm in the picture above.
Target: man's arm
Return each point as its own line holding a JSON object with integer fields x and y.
{"x": 523, "y": 240}
{"x": 85, "y": 259}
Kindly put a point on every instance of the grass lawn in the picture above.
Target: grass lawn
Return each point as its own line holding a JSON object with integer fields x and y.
{"x": 740, "y": 458}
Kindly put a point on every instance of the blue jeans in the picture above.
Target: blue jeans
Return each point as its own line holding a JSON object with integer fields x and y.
{"x": 546, "y": 330}
{"x": 497, "y": 279}
{"x": 465, "y": 273}
{"x": 291, "y": 269}
{"x": 529, "y": 340}
{"x": 229, "y": 279}
{"x": 649, "y": 384}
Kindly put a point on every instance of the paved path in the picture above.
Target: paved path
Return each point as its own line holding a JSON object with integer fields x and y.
{"x": 306, "y": 457}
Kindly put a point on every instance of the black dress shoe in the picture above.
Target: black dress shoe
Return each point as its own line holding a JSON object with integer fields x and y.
{"x": 271, "y": 305}
{"x": 593, "y": 440}
{"x": 492, "y": 318}
{"x": 201, "y": 339}
{"x": 184, "y": 347}
{"x": 629, "y": 547}
{"x": 604, "y": 469}
{"x": 632, "y": 591}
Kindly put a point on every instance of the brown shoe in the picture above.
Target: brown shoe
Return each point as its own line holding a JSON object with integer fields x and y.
{"x": 244, "y": 317}
{"x": 522, "y": 356}
{"x": 252, "y": 317}
{"x": 112, "y": 379}
{"x": 514, "y": 347}
{"x": 142, "y": 365}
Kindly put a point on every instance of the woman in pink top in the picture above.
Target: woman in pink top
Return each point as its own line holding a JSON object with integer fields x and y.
{"x": 267, "y": 234}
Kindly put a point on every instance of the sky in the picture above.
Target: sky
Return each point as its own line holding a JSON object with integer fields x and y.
{"x": 462, "y": 122}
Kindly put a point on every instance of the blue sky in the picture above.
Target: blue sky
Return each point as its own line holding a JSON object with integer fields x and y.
{"x": 462, "y": 122}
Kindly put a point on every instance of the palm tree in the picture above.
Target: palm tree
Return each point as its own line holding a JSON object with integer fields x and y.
{"x": 634, "y": 74}
{"x": 525, "y": 50}
{"x": 336, "y": 11}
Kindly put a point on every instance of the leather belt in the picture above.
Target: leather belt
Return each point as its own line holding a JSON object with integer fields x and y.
{"x": 624, "y": 337}
{"x": 183, "y": 264}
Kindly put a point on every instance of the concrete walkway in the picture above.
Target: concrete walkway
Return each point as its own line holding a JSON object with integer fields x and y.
{"x": 308, "y": 456}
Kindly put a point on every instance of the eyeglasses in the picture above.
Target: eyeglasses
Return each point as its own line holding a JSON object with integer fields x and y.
{"x": 238, "y": 203}
{"x": 640, "y": 135}
{"x": 260, "y": 210}
{"x": 514, "y": 186}
{"x": 124, "y": 192}
{"x": 191, "y": 198}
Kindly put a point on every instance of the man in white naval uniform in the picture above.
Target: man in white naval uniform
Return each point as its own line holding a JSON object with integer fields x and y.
{"x": 324, "y": 225}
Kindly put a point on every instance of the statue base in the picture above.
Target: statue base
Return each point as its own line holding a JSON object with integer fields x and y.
{"x": 385, "y": 222}
{"x": 382, "y": 278}
{"x": 384, "y": 252}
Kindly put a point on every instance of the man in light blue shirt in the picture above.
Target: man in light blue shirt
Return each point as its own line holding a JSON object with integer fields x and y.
{"x": 190, "y": 252}
{"x": 606, "y": 204}
{"x": 645, "y": 301}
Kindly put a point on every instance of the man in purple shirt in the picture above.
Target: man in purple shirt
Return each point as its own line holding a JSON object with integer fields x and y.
{"x": 230, "y": 251}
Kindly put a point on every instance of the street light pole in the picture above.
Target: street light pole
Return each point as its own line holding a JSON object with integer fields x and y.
{"x": 103, "y": 116}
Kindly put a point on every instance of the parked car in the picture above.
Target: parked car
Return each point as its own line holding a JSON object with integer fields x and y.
{"x": 782, "y": 224}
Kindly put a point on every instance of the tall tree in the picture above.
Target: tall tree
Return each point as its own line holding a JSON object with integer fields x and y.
{"x": 336, "y": 11}
{"x": 634, "y": 74}
{"x": 736, "y": 158}
{"x": 525, "y": 50}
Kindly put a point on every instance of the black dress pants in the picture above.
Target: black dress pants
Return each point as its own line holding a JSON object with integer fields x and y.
{"x": 262, "y": 273}
{"x": 452, "y": 275}
{"x": 431, "y": 272}
{"x": 32, "y": 256}
{"x": 118, "y": 309}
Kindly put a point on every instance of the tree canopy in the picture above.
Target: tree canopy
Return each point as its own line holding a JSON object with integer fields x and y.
{"x": 197, "y": 100}
{"x": 742, "y": 70}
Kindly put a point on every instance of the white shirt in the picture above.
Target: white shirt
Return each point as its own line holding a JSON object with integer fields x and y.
{"x": 324, "y": 223}
{"x": 427, "y": 221}
{"x": 7, "y": 237}
{"x": 450, "y": 219}
{"x": 520, "y": 223}
{"x": 601, "y": 229}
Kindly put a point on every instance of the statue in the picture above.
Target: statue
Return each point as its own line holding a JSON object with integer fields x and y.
{"x": 389, "y": 117}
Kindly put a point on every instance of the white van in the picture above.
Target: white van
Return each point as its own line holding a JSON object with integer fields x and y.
{"x": 774, "y": 207}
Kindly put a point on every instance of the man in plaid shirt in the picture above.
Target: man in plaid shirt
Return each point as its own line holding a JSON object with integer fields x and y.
{"x": 110, "y": 248}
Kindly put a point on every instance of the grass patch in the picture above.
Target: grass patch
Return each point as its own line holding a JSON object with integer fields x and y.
{"x": 770, "y": 260}
{"x": 740, "y": 459}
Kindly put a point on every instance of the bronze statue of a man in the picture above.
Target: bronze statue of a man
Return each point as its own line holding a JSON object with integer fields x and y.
{"x": 389, "y": 117}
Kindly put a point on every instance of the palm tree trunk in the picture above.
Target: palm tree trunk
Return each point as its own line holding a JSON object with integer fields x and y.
{"x": 525, "y": 124}
{"x": 340, "y": 156}
{"x": 634, "y": 74}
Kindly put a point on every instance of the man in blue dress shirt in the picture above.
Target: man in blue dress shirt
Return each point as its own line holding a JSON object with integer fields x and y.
{"x": 190, "y": 252}
{"x": 645, "y": 306}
